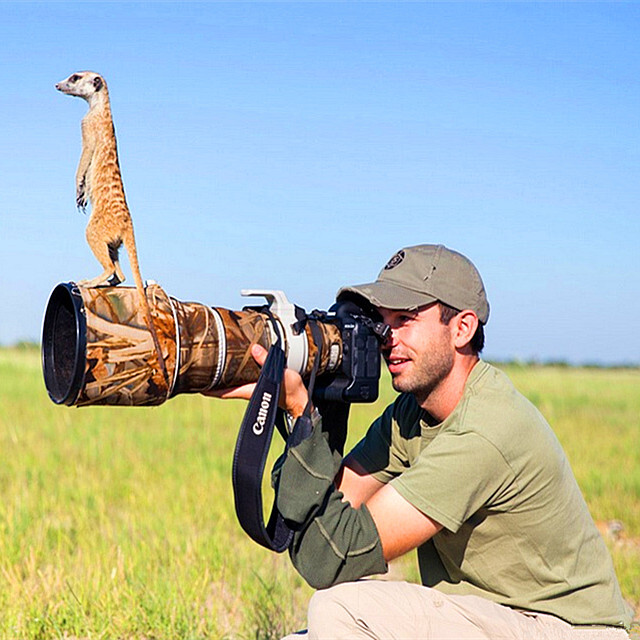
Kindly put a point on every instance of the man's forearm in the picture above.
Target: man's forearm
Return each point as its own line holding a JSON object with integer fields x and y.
{"x": 333, "y": 542}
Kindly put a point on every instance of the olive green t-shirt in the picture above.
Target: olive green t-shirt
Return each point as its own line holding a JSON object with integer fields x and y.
{"x": 516, "y": 530}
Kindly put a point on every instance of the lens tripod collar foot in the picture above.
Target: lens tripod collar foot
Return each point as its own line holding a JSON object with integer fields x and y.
{"x": 297, "y": 347}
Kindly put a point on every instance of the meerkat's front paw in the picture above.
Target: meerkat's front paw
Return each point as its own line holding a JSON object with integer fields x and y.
{"x": 81, "y": 197}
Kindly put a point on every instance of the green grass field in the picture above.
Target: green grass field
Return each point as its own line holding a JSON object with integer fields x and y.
{"x": 119, "y": 523}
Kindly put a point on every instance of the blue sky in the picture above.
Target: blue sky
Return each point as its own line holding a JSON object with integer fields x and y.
{"x": 297, "y": 146}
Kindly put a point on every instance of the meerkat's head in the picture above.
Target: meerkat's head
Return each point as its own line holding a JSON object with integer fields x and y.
{"x": 83, "y": 84}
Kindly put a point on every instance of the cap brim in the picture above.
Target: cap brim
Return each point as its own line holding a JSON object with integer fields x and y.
{"x": 388, "y": 295}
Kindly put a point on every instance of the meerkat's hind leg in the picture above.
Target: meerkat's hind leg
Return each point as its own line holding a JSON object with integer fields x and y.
{"x": 118, "y": 276}
{"x": 103, "y": 252}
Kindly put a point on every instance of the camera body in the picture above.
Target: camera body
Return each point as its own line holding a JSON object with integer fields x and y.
{"x": 97, "y": 349}
{"x": 359, "y": 373}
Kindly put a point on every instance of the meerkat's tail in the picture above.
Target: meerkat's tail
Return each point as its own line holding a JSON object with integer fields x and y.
{"x": 130, "y": 246}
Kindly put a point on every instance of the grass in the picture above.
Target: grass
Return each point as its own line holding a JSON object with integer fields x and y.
{"x": 119, "y": 523}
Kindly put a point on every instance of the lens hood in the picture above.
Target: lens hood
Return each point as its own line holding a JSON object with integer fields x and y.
{"x": 64, "y": 344}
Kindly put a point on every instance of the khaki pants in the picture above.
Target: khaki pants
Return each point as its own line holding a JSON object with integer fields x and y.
{"x": 380, "y": 610}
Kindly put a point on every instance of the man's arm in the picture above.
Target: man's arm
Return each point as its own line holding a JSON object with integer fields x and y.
{"x": 400, "y": 525}
{"x": 348, "y": 525}
{"x": 387, "y": 508}
{"x": 356, "y": 483}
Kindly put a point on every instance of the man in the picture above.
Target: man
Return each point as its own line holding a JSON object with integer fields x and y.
{"x": 460, "y": 467}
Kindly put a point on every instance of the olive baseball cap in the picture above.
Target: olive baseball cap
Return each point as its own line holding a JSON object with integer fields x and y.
{"x": 426, "y": 273}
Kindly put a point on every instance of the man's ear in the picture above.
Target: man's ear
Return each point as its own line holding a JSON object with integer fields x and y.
{"x": 464, "y": 328}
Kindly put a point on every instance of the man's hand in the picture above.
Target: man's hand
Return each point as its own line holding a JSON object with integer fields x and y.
{"x": 293, "y": 395}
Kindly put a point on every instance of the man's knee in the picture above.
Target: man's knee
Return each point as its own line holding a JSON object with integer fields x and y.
{"x": 331, "y": 604}
{"x": 366, "y": 609}
{"x": 352, "y": 609}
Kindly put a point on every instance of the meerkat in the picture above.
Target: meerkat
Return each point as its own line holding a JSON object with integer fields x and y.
{"x": 99, "y": 182}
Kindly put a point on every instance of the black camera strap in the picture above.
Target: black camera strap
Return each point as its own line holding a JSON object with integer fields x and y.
{"x": 250, "y": 456}
{"x": 254, "y": 440}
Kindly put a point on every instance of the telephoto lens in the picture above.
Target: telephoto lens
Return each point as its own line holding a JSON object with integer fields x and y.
{"x": 98, "y": 350}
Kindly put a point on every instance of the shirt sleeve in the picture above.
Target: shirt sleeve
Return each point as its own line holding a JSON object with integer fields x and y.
{"x": 332, "y": 541}
{"x": 379, "y": 452}
{"x": 454, "y": 476}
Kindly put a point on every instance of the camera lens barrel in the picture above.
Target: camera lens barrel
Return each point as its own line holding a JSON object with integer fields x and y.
{"x": 97, "y": 348}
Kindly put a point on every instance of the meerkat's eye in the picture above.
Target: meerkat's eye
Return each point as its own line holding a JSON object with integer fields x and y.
{"x": 74, "y": 78}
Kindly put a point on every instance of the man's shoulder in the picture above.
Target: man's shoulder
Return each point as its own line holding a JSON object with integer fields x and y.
{"x": 495, "y": 410}
{"x": 489, "y": 392}
{"x": 486, "y": 377}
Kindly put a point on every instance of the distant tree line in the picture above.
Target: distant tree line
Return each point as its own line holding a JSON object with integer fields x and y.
{"x": 561, "y": 364}
{"x": 30, "y": 345}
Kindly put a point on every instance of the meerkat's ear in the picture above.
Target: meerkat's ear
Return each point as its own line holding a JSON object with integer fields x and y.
{"x": 97, "y": 83}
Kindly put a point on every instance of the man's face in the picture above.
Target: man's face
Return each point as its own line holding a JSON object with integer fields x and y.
{"x": 420, "y": 352}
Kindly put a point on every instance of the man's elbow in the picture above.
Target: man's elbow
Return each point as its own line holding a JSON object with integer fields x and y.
{"x": 317, "y": 582}
{"x": 317, "y": 573}
{"x": 316, "y": 578}
{"x": 323, "y": 562}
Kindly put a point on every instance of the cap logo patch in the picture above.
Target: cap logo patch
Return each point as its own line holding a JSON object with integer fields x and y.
{"x": 395, "y": 261}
